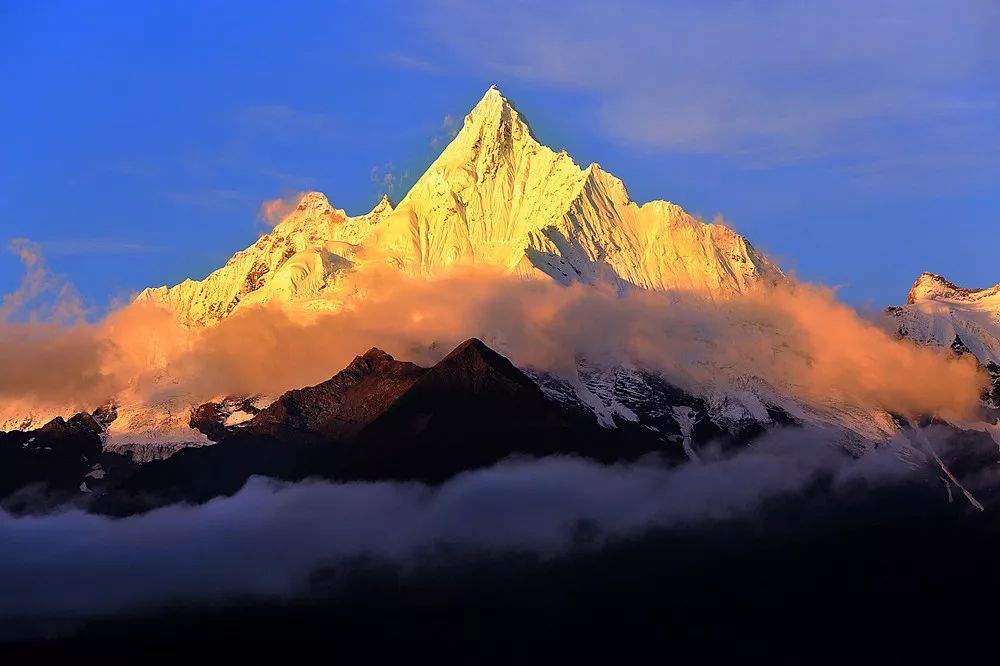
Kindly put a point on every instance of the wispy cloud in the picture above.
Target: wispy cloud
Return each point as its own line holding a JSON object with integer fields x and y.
{"x": 285, "y": 121}
{"x": 767, "y": 83}
{"x": 205, "y": 198}
{"x": 449, "y": 128}
{"x": 42, "y": 294}
{"x": 289, "y": 531}
{"x": 388, "y": 178}
{"x": 273, "y": 211}
{"x": 96, "y": 246}
{"x": 410, "y": 62}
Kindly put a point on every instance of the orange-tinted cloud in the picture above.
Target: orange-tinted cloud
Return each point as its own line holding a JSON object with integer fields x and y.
{"x": 798, "y": 339}
{"x": 273, "y": 211}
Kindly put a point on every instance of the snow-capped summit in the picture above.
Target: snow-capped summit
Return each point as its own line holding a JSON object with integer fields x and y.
{"x": 933, "y": 286}
{"x": 383, "y": 206}
{"x": 939, "y": 312}
{"x": 297, "y": 262}
{"x": 494, "y": 196}
{"x": 497, "y": 196}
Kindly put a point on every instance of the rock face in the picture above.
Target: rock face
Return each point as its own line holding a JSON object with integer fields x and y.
{"x": 300, "y": 261}
{"x": 61, "y": 461}
{"x": 384, "y": 419}
{"x": 497, "y": 196}
{"x": 472, "y": 409}
{"x": 494, "y": 196}
{"x": 342, "y": 405}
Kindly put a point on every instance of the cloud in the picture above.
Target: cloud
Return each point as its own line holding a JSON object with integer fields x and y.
{"x": 209, "y": 198}
{"x": 285, "y": 121}
{"x": 50, "y": 355}
{"x": 37, "y": 282}
{"x": 449, "y": 129}
{"x": 75, "y": 563}
{"x": 273, "y": 211}
{"x": 795, "y": 341}
{"x": 388, "y": 178}
{"x": 404, "y": 61}
{"x": 765, "y": 83}
{"x": 96, "y": 246}
{"x": 799, "y": 341}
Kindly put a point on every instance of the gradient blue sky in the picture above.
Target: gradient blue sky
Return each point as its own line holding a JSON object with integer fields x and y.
{"x": 857, "y": 142}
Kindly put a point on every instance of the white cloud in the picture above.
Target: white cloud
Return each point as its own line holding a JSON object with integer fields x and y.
{"x": 285, "y": 532}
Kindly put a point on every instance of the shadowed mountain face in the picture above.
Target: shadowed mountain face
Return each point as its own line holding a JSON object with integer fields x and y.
{"x": 381, "y": 418}
{"x": 339, "y": 407}
{"x": 61, "y": 460}
{"x": 470, "y": 410}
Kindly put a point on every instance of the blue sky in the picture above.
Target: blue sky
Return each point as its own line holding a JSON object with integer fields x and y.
{"x": 856, "y": 142}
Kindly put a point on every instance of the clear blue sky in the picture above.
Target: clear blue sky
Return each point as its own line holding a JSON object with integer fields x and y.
{"x": 857, "y": 142}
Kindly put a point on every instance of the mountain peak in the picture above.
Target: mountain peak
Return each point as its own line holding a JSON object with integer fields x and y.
{"x": 376, "y": 354}
{"x": 492, "y": 112}
{"x": 384, "y": 205}
{"x": 313, "y": 200}
{"x": 492, "y": 98}
{"x": 494, "y": 196}
{"x": 371, "y": 361}
{"x": 474, "y": 360}
{"x": 933, "y": 286}
{"x": 471, "y": 346}
{"x": 313, "y": 208}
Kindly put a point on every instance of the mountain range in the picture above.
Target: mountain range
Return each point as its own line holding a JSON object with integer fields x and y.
{"x": 496, "y": 198}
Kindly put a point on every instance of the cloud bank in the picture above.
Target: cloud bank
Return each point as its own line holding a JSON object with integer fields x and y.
{"x": 270, "y": 537}
{"x": 796, "y": 339}
{"x": 273, "y": 211}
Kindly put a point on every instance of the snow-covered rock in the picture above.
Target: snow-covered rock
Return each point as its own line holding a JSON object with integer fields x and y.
{"x": 300, "y": 261}
{"x": 940, "y": 313}
{"x": 494, "y": 196}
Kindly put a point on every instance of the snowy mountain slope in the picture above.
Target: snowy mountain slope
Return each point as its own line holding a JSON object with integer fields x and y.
{"x": 727, "y": 413}
{"x": 938, "y": 312}
{"x": 494, "y": 196}
{"x": 497, "y": 196}
{"x": 300, "y": 261}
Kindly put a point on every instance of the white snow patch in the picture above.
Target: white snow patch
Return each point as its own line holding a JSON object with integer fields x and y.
{"x": 238, "y": 417}
{"x": 686, "y": 420}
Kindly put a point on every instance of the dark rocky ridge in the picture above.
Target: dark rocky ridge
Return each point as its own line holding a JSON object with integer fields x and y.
{"x": 339, "y": 407}
{"x": 54, "y": 462}
{"x": 384, "y": 419}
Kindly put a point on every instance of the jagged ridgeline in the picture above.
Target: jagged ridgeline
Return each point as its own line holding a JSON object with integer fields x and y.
{"x": 497, "y": 197}
{"x": 940, "y": 313}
